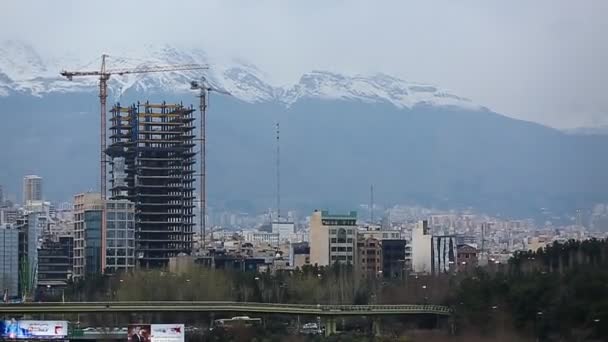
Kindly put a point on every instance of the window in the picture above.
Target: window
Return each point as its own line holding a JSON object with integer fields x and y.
{"x": 333, "y": 257}
{"x": 341, "y": 249}
{"x": 349, "y": 240}
{"x": 130, "y": 216}
{"x": 111, "y": 216}
{"x": 342, "y": 235}
{"x": 332, "y": 231}
{"x": 349, "y": 249}
{"x": 350, "y": 258}
{"x": 121, "y": 216}
{"x": 333, "y": 240}
{"x": 333, "y": 249}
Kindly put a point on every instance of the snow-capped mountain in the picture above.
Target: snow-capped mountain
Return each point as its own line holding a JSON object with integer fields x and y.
{"x": 23, "y": 70}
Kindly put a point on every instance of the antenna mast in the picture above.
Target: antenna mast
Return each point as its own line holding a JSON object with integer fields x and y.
{"x": 278, "y": 175}
{"x": 371, "y": 204}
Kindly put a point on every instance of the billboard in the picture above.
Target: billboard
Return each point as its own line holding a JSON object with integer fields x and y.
{"x": 33, "y": 330}
{"x": 156, "y": 333}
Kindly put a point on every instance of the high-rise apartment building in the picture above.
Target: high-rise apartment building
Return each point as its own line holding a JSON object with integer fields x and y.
{"x": 98, "y": 250}
{"x": 152, "y": 165}
{"x": 9, "y": 260}
{"x": 333, "y": 238}
{"x": 32, "y": 189}
{"x": 421, "y": 248}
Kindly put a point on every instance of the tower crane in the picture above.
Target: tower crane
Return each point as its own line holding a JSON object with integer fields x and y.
{"x": 204, "y": 87}
{"x": 104, "y": 75}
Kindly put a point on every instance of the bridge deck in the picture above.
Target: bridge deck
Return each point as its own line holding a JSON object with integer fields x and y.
{"x": 165, "y": 306}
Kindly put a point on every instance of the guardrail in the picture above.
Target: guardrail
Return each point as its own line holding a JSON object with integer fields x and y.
{"x": 245, "y": 307}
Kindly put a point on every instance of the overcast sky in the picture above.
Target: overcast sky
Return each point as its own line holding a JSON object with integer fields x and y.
{"x": 545, "y": 61}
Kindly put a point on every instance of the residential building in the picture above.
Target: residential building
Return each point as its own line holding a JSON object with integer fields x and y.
{"x": 32, "y": 189}
{"x": 395, "y": 257}
{"x": 421, "y": 248}
{"x": 299, "y": 254}
{"x": 8, "y": 215}
{"x": 369, "y": 252}
{"x": 257, "y": 238}
{"x": 284, "y": 229}
{"x": 444, "y": 254}
{"x": 381, "y": 234}
{"x": 55, "y": 262}
{"x": 333, "y": 238}
{"x": 467, "y": 257}
{"x": 9, "y": 260}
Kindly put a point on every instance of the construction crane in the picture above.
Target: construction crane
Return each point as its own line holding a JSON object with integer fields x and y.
{"x": 104, "y": 75}
{"x": 204, "y": 88}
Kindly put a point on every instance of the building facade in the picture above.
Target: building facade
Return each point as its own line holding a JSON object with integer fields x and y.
{"x": 152, "y": 165}
{"x": 299, "y": 254}
{"x": 444, "y": 254}
{"x": 421, "y": 248}
{"x": 28, "y": 226}
{"x": 9, "y": 260}
{"x": 333, "y": 238}
{"x": 32, "y": 189}
{"x": 98, "y": 250}
{"x": 120, "y": 236}
{"x": 395, "y": 258}
{"x": 467, "y": 257}
{"x": 284, "y": 229}
{"x": 55, "y": 262}
{"x": 369, "y": 252}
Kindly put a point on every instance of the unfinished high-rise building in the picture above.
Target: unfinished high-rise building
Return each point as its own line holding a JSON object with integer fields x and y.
{"x": 152, "y": 164}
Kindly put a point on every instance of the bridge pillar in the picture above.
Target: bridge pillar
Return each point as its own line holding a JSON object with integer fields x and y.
{"x": 330, "y": 326}
{"x": 376, "y": 326}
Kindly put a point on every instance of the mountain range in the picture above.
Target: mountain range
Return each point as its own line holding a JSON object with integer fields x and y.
{"x": 416, "y": 143}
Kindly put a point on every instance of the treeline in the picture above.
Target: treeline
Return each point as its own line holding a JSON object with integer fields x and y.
{"x": 559, "y": 292}
{"x": 556, "y": 293}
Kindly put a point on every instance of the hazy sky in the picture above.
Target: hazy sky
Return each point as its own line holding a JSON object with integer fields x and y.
{"x": 545, "y": 61}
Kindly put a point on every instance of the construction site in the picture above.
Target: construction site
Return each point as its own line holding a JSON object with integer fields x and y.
{"x": 151, "y": 162}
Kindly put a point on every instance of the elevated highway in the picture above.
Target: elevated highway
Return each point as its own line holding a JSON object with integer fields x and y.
{"x": 236, "y": 307}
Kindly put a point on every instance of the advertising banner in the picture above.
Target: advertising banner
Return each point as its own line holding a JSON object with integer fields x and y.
{"x": 156, "y": 333}
{"x": 33, "y": 330}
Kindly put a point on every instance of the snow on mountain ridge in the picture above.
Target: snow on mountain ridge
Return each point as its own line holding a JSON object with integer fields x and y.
{"x": 27, "y": 72}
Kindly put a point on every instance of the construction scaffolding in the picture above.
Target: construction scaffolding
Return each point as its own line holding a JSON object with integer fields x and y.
{"x": 152, "y": 161}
